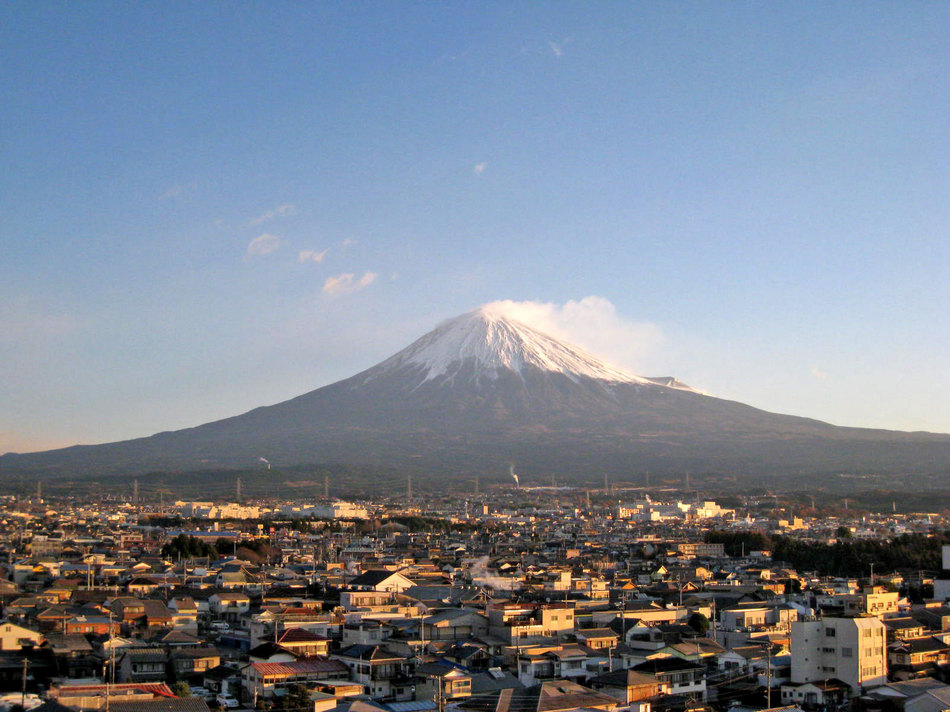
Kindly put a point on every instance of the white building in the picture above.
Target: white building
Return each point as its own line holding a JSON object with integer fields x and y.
{"x": 848, "y": 649}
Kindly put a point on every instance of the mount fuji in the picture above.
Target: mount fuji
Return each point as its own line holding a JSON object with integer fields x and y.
{"x": 484, "y": 390}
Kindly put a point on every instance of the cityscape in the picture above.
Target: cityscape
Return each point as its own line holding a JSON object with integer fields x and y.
{"x": 474, "y": 356}
{"x": 548, "y": 597}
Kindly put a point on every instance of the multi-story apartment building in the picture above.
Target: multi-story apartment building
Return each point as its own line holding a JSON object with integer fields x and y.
{"x": 851, "y": 650}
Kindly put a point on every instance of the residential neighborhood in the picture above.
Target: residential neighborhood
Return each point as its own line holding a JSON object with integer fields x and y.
{"x": 511, "y": 600}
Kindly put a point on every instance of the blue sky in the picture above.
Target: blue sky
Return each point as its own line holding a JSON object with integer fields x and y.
{"x": 206, "y": 207}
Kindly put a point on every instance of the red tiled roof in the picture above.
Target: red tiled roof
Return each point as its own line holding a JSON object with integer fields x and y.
{"x": 160, "y": 689}
{"x": 301, "y": 667}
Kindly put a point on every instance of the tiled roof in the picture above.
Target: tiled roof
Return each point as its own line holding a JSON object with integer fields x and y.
{"x": 302, "y": 667}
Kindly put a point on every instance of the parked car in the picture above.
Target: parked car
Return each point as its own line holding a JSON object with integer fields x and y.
{"x": 227, "y": 702}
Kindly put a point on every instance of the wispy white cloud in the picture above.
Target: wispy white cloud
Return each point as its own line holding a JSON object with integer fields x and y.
{"x": 281, "y": 211}
{"x": 347, "y": 242}
{"x": 480, "y": 168}
{"x": 817, "y": 372}
{"x": 557, "y": 49}
{"x": 262, "y": 245}
{"x": 593, "y": 324}
{"x": 176, "y": 191}
{"x": 312, "y": 256}
{"x": 347, "y": 283}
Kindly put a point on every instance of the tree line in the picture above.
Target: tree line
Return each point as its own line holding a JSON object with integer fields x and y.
{"x": 846, "y": 556}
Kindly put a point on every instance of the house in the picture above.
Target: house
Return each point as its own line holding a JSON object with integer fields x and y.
{"x": 73, "y": 655}
{"x": 197, "y": 660}
{"x": 87, "y": 624}
{"x": 142, "y": 665}
{"x": 551, "y": 662}
{"x": 381, "y": 581}
{"x": 553, "y": 696}
{"x": 228, "y": 606}
{"x": 442, "y": 683}
{"x": 454, "y": 624}
{"x": 385, "y": 675}
{"x": 682, "y": 677}
{"x": 598, "y": 638}
{"x": 818, "y": 695}
{"x": 184, "y": 612}
{"x": 302, "y": 642}
{"x": 16, "y": 637}
{"x": 917, "y": 657}
{"x": 629, "y": 686}
{"x": 529, "y": 623}
{"x": 262, "y": 679}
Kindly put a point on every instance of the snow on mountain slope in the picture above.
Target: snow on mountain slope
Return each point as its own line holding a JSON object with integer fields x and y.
{"x": 488, "y": 340}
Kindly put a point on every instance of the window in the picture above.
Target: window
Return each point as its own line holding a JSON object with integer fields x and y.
{"x": 830, "y": 632}
{"x": 847, "y": 652}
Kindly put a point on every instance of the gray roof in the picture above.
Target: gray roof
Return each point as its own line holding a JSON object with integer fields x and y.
{"x": 162, "y": 704}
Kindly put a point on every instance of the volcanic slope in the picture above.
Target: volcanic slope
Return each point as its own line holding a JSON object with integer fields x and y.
{"x": 484, "y": 390}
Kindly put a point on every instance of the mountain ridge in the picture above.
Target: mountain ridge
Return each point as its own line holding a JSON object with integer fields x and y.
{"x": 482, "y": 390}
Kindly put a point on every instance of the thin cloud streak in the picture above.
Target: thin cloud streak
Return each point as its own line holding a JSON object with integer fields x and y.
{"x": 262, "y": 245}
{"x": 281, "y": 211}
{"x": 311, "y": 256}
{"x": 347, "y": 283}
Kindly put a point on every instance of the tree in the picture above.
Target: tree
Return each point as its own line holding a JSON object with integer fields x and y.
{"x": 297, "y": 699}
{"x": 181, "y": 689}
{"x": 698, "y": 622}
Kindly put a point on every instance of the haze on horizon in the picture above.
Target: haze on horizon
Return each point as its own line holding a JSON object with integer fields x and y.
{"x": 220, "y": 207}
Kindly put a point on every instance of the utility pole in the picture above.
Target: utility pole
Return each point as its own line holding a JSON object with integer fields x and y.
{"x": 440, "y": 695}
{"x": 26, "y": 663}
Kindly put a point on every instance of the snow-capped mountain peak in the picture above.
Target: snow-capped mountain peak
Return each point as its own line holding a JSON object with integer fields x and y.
{"x": 489, "y": 340}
